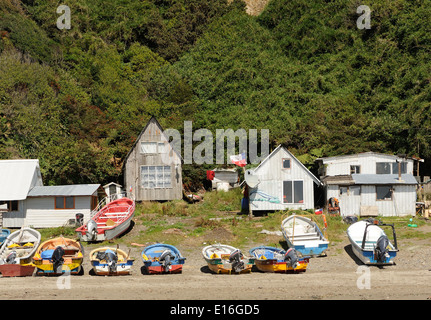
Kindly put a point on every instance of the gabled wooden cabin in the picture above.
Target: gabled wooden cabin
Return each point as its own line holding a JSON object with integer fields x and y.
{"x": 152, "y": 168}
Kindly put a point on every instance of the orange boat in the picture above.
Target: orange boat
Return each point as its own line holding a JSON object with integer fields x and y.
{"x": 108, "y": 221}
{"x": 57, "y": 256}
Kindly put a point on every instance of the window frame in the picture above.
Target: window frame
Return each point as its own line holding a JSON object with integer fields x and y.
{"x": 290, "y": 163}
{"x": 155, "y": 181}
{"x": 353, "y": 171}
{"x": 159, "y": 148}
{"x": 292, "y": 183}
{"x": 9, "y": 205}
{"x": 64, "y": 202}
{"x": 391, "y": 190}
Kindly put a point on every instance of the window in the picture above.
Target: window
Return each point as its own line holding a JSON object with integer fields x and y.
{"x": 9, "y": 205}
{"x": 355, "y": 169}
{"x": 384, "y": 193}
{"x": 343, "y": 190}
{"x": 351, "y": 191}
{"x": 65, "y": 202}
{"x": 153, "y": 147}
{"x": 156, "y": 177}
{"x": 293, "y": 191}
{"x": 383, "y": 168}
{"x": 390, "y": 167}
{"x": 286, "y": 163}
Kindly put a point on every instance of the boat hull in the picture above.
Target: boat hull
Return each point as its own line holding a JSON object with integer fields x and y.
{"x": 46, "y": 267}
{"x": 108, "y": 234}
{"x": 272, "y": 265}
{"x": 102, "y": 269}
{"x": 176, "y": 268}
{"x": 217, "y": 266}
{"x": 16, "y": 270}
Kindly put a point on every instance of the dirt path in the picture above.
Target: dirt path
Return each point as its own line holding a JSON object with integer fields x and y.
{"x": 332, "y": 277}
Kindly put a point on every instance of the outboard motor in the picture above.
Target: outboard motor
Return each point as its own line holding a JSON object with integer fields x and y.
{"x": 291, "y": 258}
{"x": 92, "y": 229}
{"x": 111, "y": 259}
{"x": 235, "y": 259}
{"x": 165, "y": 259}
{"x": 79, "y": 219}
{"x": 57, "y": 260}
{"x": 381, "y": 250}
{"x": 10, "y": 259}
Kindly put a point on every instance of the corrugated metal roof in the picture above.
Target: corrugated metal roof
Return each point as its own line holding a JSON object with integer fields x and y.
{"x": 336, "y": 180}
{"x": 383, "y": 179}
{"x": 65, "y": 190}
{"x": 16, "y": 178}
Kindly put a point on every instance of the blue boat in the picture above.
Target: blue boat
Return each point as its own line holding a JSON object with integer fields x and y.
{"x": 162, "y": 258}
{"x": 3, "y": 235}
{"x": 303, "y": 234}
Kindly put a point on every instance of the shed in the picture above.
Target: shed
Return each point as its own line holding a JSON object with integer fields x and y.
{"x": 283, "y": 183}
{"x": 152, "y": 168}
{"x": 112, "y": 188}
{"x": 53, "y": 206}
{"x": 222, "y": 177}
{"x": 370, "y": 183}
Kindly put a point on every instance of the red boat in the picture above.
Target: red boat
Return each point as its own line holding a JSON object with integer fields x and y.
{"x": 108, "y": 221}
{"x": 16, "y": 270}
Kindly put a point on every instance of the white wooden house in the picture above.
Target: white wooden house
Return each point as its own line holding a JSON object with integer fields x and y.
{"x": 54, "y": 206}
{"x": 370, "y": 183}
{"x": 152, "y": 168}
{"x": 17, "y": 178}
{"x": 26, "y": 202}
{"x": 283, "y": 182}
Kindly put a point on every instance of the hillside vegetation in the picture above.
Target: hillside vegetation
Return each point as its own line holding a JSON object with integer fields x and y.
{"x": 77, "y": 99}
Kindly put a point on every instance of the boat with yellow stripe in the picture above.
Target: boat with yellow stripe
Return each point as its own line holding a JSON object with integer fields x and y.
{"x": 270, "y": 259}
{"x": 58, "y": 256}
{"x": 226, "y": 259}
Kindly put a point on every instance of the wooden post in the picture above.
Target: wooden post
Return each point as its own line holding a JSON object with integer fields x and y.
{"x": 250, "y": 213}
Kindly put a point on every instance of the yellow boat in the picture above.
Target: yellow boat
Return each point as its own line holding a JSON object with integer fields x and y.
{"x": 270, "y": 259}
{"x": 57, "y": 256}
{"x": 226, "y": 259}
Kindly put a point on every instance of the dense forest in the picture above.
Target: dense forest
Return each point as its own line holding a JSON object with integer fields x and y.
{"x": 77, "y": 98}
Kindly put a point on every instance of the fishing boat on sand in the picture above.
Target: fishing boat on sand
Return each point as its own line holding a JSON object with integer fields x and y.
{"x": 226, "y": 259}
{"x": 110, "y": 219}
{"x": 58, "y": 256}
{"x": 304, "y": 235}
{"x": 111, "y": 261}
{"x": 17, "y": 251}
{"x": 162, "y": 258}
{"x": 270, "y": 259}
{"x": 371, "y": 244}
